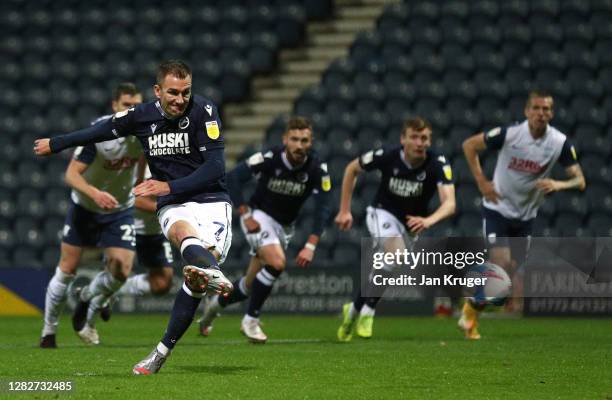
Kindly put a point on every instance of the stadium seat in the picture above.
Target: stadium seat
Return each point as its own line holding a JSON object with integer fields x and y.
{"x": 365, "y": 47}
{"x": 469, "y": 198}
{"x": 57, "y": 201}
{"x": 29, "y": 203}
{"x": 567, "y": 224}
{"x": 599, "y": 224}
{"x": 27, "y": 232}
{"x": 344, "y": 144}
{"x": 456, "y": 9}
{"x": 8, "y": 207}
{"x": 53, "y": 228}
{"x": 26, "y": 256}
{"x": 548, "y": 210}
{"x": 599, "y": 197}
{"x": 339, "y": 72}
{"x": 50, "y": 256}
{"x": 572, "y": 202}
{"x": 8, "y": 180}
{"x": 31, "y": 175}
{"x": 376, "y": 121}
{"x": 590, "y": 141}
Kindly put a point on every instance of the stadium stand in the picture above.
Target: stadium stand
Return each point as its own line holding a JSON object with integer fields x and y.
{"x": 466, "y": 66}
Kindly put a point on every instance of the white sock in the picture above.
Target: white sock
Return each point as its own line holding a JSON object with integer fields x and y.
{"x": 243, "y": 287}
{"x": 55, "y": 299}
{"x": 163, "y": 349}
{"x": 95, "y": 304}
{"x": 247, "y": 318}
{"x": 367, "y": 311}
{"x": 99, "y": 290}
{"x": 352, "y": 314}
{"x": 137, "y": 285}
{"x": 103, "y": 283}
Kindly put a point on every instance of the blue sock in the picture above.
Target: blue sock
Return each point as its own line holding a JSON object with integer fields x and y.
{"x": 372, "y": 301}
{"x": 359, "y": 301}
{"x": 194, "y": 253}
{"x": 183, "y": 310}
{"x": 262, "y": 286}
{"x": 238, "y": 294}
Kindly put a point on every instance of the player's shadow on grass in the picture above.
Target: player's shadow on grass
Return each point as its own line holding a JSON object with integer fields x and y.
{"x": 214, "y": 369}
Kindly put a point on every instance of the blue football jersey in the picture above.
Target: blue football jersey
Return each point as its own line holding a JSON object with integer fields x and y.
{"x": 405, "y": 190}
{"x": 175, "y": 148}
{"x": 281, "y": 188}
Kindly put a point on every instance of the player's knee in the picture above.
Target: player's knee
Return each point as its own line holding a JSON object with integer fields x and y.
{"x": 277, "y": 262}
{"x": 119, "y": 266}
{"x": 179, "y": 231}
{"x": 68, "y": 263}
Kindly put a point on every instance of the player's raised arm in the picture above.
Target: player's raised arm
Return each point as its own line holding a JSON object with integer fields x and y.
{"x": 472, "y": 146}
{"x": 344, "y": 219}
{"x": 94, "y": 134}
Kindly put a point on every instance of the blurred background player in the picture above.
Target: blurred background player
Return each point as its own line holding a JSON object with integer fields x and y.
{"x": 411, "y": 175}
{"x": 286, "y": 176}
{"x": 153, "y": 252}
{"x": 101, "y": 177}
{"x": 527, "y": 153}
{"x": 181, "y": 137}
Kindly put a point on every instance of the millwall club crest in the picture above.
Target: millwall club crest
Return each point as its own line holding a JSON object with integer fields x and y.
{"x": 183, "y": 123}
{"x": 302, "y": 177}
{"x": 421, "y": 177}
{"x": 153, "y": 128}
{"x": 395, "y": 171}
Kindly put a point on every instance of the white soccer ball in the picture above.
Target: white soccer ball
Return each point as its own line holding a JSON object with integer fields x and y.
{"x": 496, "y": 289}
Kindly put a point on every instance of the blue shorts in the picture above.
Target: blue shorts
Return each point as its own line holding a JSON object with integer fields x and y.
{"x": 84, "y": 228}
{"x": 153, "y": 251}
{"x": 500, "y": 231}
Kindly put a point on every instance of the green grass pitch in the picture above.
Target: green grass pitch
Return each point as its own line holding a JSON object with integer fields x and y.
{"x": 408, "y": 358}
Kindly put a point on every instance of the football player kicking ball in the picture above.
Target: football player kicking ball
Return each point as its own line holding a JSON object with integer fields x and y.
{"x": 527, "y": 155}
{"x": 286, "y": 177}
{"x": 181, "y": 137}
{"x": 411, "y": 175}
{"x": 101, "y": 215}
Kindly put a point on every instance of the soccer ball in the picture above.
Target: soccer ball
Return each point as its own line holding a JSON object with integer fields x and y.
{"x": 495, "y": 290}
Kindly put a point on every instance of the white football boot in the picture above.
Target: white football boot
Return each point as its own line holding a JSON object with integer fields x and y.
{"x": 251, "y": 328}
{"x": 151, "y": 364}
{"x": 89, "y": 335}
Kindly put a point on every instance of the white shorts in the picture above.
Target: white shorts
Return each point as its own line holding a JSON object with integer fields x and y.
{"x": 271, "y": 232}
{"x": 382, "y": 224}
{"x": 212, "y": 221}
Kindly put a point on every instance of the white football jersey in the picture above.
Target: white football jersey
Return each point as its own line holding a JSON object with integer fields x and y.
{"x": 112, "y": 166}
{"x": 521, "y": 161}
